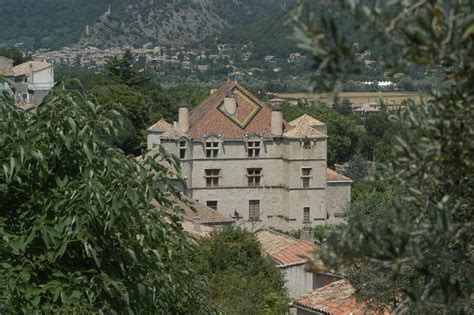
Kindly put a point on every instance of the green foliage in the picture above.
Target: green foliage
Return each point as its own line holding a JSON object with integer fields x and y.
{"x": 379, "y": 137}
{"x": 123, "y": 70}
{"x": 343, "y": 133}
{"x": 409, "y": 248}
{"x": 14, "y": 54}
{"x": 242, "y": 280}
{"x": 357, "y": 169}
{"x": 79, "y": 232}
{"x": 322, "y": 232}
{"x": 343, "y": 107}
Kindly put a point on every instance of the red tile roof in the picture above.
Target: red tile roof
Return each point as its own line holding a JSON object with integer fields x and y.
{"x": 193, "y": 209}
{"x": 303, "y": 131}
{"x": 298, "y": 253}
{"x": 335, "y": 176}
{"x": 252, "y": 116}
{"x": 169, "y": 132}
{"x": 284, "y": 249}
{"x": 305, "y": 120}
{"x": 336, "y": 298}
{"x": 30, "y": 66}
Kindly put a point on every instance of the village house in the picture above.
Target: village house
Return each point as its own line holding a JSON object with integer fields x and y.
{"x": 239, "y": 157}
{"x": 290, "y": 256}
{"x": 32, "y": 80}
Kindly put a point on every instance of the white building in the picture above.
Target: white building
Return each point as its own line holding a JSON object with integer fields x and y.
{"x": 290, "y": 256}
{"x": 239, "y": 157}
{"x": 33, "y": 80}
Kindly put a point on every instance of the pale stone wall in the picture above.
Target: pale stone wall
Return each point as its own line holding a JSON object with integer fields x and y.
{"x": 282, "y": 196}
{"x": 297, "y": 280}
{"x": 338, "y": 198}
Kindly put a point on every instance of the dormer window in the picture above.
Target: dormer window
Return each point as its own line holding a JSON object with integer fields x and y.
{"x": 212, "y": 149}
{"x": 254, "y": 148}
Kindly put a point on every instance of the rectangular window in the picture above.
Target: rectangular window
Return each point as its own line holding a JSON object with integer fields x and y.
{"x": 212, "y": 204}
{"x": 182, "y": 149}
{"x": 253, "y": 148}
{"x": 212, "y": 149}
{"x": 306, "y": 214}
{"x": 306, "y": 176}
{"x": 307, "y": 145}
{"x": 254, "y": 176}
{"x": 254, "y": 210}
{"x": 212, "y": 177}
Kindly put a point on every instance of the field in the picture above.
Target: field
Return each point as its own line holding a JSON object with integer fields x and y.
{"x": 357, "y": 98}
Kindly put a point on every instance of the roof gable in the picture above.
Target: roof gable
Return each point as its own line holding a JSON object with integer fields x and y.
{"x": 168, "y": 131}
{"x": 305, "y": 120}
{"x": 252, "y": 116}
{"x": 304, "y": 131}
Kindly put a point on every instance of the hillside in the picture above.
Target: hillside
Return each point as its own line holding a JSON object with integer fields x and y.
{"x": 176, "y": 22}
{"x": 47, "y": 23}
{"x": 57, "y": 23}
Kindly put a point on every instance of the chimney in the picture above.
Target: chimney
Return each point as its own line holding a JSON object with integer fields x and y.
{"x": 183, "y": 119}
{"x": 230, "y": 104}
{"x": 197, "y": 224}
{"x": 307, "y": 234}
{"x": 277, "y": 120}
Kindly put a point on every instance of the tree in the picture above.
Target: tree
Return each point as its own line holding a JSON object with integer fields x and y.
{"x": 357, "y": 169}
{"x": 134, "y": 107}
{"x": 343, "y": 107}
{"x": 14, "y": 54}
{"x": 124, "y": 71}
{"x": 79, "y": 231}
{"x": 242, "y": 280}
{"x": 411, "y": 253}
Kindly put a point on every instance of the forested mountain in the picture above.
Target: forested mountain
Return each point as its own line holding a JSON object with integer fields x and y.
{"x": 47, "y": 23}
{"x": 56, "y": 23}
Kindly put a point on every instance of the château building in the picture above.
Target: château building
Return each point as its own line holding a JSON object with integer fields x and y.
{"x": 239, "y": 157}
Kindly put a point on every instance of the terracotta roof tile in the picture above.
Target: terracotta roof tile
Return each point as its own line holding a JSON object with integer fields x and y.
{"x": 303, "y": 131}
{"x": 300, "y": 252}
{"x": 193, "y": 209}
{"x": 334, "y": 176}
{"x": 169, "y": 132}
{"x": 284, "y": 249}
{"x": 253, "y": 114}
{"x": 335, "y": 298}
{"x": 305, "y": 120}
{"x": 7, "y": 72}
{"x": 29, "y": 66}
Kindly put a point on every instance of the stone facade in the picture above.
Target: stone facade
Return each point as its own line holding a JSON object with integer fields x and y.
{"x": 240, "y": 157}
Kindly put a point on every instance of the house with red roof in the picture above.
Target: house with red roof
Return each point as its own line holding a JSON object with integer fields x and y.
{"x": 335, "y": 298}
{"x": 241, "y": 158}
{"x": 290, "y": 256}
